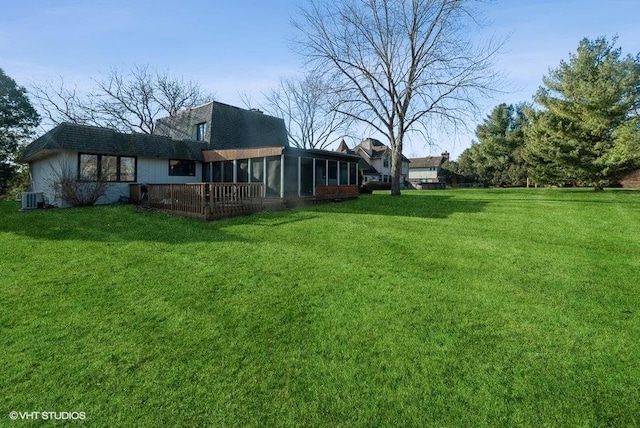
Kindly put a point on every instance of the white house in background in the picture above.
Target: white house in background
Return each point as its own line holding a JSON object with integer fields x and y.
{"x": 427, "y": 169}
{"x": 377, "y": 157}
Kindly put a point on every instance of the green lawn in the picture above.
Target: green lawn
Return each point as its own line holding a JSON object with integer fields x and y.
{"x": 443, "y": 308}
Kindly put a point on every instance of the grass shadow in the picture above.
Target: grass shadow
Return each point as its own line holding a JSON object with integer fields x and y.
{"x": 112, "y": 224}
{"x": 409, "y": 204}
{"x": 125, "y": 224}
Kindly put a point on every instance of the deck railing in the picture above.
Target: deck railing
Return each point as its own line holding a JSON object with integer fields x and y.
{"x": 210, "y": 201}
{"x": 200, "y": 200}
{"x": 337, "y": 192}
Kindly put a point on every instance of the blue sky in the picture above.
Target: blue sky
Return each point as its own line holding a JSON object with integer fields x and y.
{"x": 242, "y": 46}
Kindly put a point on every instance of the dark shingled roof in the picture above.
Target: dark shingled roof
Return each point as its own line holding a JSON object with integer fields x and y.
{"x": 91, "y": 139}
{"x": 372, "y": 149}
{"x": 426, "y": 162}
{"x": 227, "y": 127}
{"x": 237, "y": 128}
{"x": 343, "y": 148}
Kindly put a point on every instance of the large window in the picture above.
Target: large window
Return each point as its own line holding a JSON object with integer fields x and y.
{"x": 106, "y": 168}
{"x": 182, "y": 168}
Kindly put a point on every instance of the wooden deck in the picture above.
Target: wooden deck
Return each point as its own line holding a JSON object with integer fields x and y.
{"x": 205, "y": 201}
{"x": 212, "y": 201}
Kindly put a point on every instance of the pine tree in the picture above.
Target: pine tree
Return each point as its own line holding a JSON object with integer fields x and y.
{"x": 587, "y": 131}
{"x": 496, "y": 159}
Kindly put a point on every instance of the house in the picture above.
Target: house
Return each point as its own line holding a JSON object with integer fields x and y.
{"x": 215, "y": 143}
{"x": 377, "y": 160}
{"x": 91, "y": 154}
{"x": 427, "y": 170}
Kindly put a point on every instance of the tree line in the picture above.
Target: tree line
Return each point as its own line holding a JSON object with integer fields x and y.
{"x": 398, "y": 67}
{"x": 582, "y": 129}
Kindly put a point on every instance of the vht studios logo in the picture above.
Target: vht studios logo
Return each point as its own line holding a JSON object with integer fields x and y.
{"x": 46, "y": 416}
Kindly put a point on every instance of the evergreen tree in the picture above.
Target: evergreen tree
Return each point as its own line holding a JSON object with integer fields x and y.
{"x": 496, "y": 158}
{"x": 18, "y": 118}
{"x": 588, "y": 129}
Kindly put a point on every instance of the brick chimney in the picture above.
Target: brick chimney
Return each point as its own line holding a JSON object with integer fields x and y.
{"x": 445, "y": 156}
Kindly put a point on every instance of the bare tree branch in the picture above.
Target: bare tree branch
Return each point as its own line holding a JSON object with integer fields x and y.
{"x": 309, "y": 108}
{"x": 127, "y": 102}
{"x": 399, "y": 65}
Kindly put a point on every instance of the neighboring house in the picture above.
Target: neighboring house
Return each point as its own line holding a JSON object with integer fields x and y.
{"x": 631, "y": 181}
{"x": 214, "y": 142}
{"x": 427, "y": 169}
{"x": 377, "y": 160}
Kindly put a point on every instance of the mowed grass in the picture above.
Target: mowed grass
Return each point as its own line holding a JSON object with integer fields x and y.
{"x": 443, "y": 308}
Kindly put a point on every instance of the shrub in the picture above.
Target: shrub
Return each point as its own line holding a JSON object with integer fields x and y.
{"x": 76, "y": 193}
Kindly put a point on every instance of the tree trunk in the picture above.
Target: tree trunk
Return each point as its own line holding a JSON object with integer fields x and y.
{"x": 396, "y": 168}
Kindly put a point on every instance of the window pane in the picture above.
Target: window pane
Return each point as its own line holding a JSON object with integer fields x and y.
{"x": 201, "y": 131}
{"x": 127, "y": 169}
{"x": 88, "y": 168}
{"x": 353, "y": 173}
{"x": 243, "y": 171}
{"x": 291, "y": 176}
{"x": 217, "y": 171}
{"x": 333, "y": 173}
{"x": 182, "y": 167}
{"x": 306, "y": 177}
{"x": 109, "y": 168}
{"x": 321, "y": 173}
{"x": 344, "y": 173}
{"x": 227, "y": 176}
{"x": 273, "y": 176}
{"x": 257, "y": 170}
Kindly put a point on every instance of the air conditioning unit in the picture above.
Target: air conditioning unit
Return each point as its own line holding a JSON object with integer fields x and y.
{"x": 32, "y": 200}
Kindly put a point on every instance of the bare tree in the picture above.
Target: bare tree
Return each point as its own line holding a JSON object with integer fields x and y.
{"x": 69, "y": 190}
{"x": 399, "y": 65}
{"x": 59, "y": 103}
{"x": 128, "y": 102}
{"x": 309, "y": 108}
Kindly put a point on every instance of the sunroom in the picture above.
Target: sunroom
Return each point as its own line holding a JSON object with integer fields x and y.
{"x": 286, "y": 172}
